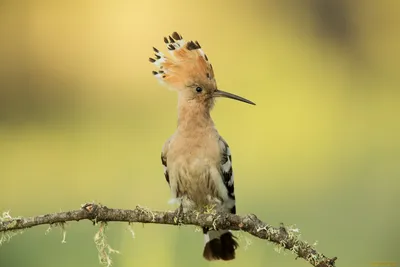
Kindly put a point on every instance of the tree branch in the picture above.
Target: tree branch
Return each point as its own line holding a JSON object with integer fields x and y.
{"x": 285, "y": 238}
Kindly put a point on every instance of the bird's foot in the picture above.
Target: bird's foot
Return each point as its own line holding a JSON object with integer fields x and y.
{"x": 179, "y": 214}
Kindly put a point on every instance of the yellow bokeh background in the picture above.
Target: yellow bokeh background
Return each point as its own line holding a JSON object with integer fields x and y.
{"x": 83, "y": 119}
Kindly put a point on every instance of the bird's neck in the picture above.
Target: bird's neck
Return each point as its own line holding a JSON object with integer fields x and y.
{"x": 193, "y": 115}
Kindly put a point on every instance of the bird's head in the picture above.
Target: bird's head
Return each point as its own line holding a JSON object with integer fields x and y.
{"x": 189, "y": 72}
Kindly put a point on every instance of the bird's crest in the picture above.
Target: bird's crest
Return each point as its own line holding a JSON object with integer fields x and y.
{"x": 186, "y": 64}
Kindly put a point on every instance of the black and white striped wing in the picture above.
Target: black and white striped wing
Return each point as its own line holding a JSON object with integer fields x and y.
{"x": 227, "y": 173}
{"x": 164, "y": 163}
{"x": 164, "y": 160}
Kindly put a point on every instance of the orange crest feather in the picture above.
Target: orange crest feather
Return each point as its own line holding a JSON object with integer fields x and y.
{"x": 186, "y": 65}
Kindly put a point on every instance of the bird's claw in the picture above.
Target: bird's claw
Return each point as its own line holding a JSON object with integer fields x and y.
{"x": 179, "y": 214}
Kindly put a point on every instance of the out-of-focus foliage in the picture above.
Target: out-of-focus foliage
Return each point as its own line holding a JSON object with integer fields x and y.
{"x": 82, "y": 119}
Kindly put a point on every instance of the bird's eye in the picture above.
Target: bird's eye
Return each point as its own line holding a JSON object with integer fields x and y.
{"x": 199, "y": 89}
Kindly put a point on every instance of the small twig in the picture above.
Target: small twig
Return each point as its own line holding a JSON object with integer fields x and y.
{"x": 250, "y": 223}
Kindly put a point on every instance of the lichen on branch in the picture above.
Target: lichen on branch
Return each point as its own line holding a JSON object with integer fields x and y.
{"x": 285, "y": 238}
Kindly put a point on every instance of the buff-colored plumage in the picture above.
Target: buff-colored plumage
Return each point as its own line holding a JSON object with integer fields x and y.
{"x": 196, "y": 159}
{"x": 196, "y": 136}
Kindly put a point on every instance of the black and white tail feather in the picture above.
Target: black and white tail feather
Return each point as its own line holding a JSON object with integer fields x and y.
{"x": 221, "y": 244}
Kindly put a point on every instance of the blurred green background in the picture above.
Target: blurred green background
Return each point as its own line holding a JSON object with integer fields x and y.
{"x": 82, "y": 119}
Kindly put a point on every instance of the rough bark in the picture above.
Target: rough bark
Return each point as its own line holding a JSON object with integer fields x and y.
{"x": 286, "y": 238}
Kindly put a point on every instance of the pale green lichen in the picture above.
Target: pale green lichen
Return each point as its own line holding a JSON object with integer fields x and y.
{"x": 103, "y": 248}
{"x": 130, "y": 230}
{"x": 262, "y": 228}
{"x": 278, "y": 248}
{"x": 146, "y": 210}
{"x": 215, "y": 222}
{"x": 293, "y": 231}
{"x": 312, "y": 258}
{"x": 63, "y": 230}
{"x": 6, "y": 236}
{"x": 198, "y": 229}
{"x": 295, "y": 249}
{"x": 11, "y": 222}
{"x": 197, "y": 214}
{"x": 248, "y": 243}
{"x": 48, "y": 230}
{"x": 210, "y": 209}
{"x": 64, "y": 233}
{"x": 281, "y": 246}
{"x": 293, "y": 237}
{"x": 5, "y": 216}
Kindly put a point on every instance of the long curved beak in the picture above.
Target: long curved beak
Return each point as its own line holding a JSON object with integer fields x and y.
{"x": 219, "y": 93}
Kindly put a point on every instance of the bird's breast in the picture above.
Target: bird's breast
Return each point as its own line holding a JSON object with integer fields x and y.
{"x": 193, "y": 167}
{"x": 194, "y": 154}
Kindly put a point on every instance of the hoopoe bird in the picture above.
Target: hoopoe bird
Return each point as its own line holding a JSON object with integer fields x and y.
{"x": 197, "y": 161}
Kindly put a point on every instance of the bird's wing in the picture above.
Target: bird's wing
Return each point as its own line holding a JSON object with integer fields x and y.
{"x": 227, "y": 172}
{"x": 164, "y": 153}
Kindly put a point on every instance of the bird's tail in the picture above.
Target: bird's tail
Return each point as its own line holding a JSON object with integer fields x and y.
{"x": 219, "y": 245}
